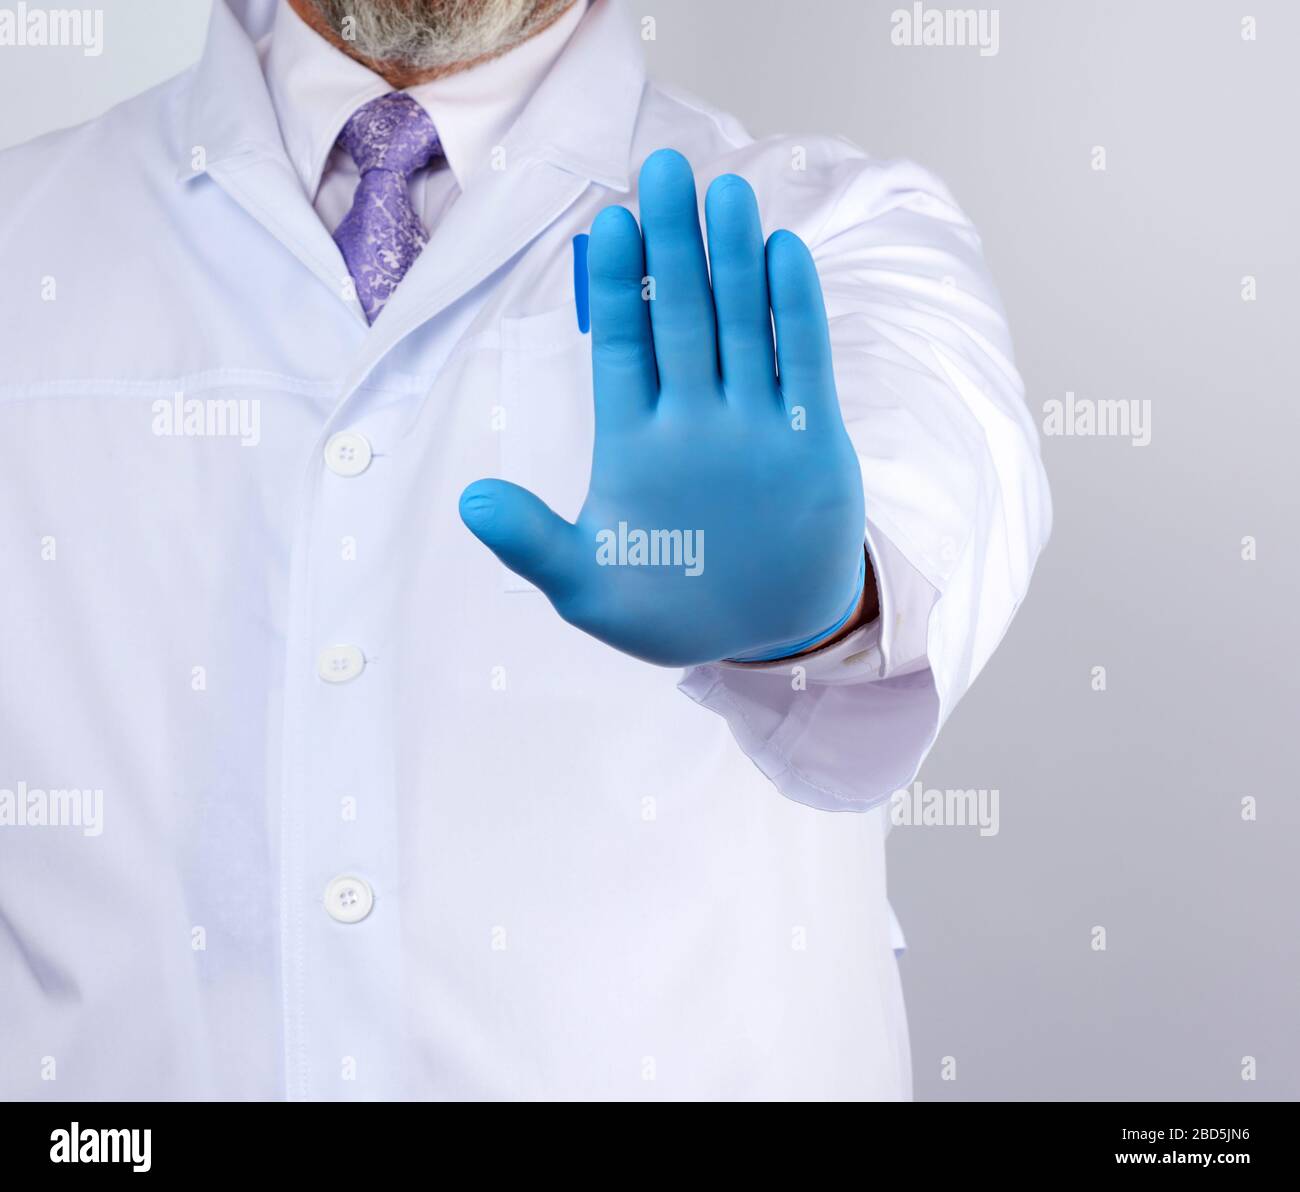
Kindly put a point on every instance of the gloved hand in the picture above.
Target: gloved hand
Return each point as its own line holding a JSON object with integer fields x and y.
{"x": 724, "y": 518}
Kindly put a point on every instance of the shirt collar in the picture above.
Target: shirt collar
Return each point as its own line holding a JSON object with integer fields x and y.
{"x": 568, "y": 95}
{"x": 475, "y": 109}
{"x": 584, "y": 112}
{"x": 314, "y": 90}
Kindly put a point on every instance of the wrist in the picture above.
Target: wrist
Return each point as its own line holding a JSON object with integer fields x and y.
{"x": 863, "y": 609}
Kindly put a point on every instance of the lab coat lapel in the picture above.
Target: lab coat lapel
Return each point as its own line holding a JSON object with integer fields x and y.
{"x": 233, "y": 137}
{"x": 575, "y": 132}
{"x": 481, "y": 232}
{"x": 268, "y": 189}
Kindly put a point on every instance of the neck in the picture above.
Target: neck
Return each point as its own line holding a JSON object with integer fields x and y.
{"x": 395, "y": 74}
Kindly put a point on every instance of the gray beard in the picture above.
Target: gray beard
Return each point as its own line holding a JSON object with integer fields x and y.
{"x": 432, "y": 35}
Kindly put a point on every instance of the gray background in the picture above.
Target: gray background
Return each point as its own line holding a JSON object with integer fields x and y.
{"x": 1119, "y": 809}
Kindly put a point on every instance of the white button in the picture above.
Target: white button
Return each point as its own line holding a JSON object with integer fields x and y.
{"x": 338, "y": 664}
{"x": 347, "y": 453}
{"x": 349, "y": 899}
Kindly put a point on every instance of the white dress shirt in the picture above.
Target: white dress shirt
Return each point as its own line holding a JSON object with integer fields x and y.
{"x": 301, "y": 793}
{"x": 315, "y": 88}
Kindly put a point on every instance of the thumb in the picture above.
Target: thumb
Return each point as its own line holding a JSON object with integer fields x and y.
{"x": 521, "y": 530}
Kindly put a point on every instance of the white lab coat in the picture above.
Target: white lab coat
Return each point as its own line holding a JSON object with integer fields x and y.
{"x": 583, "y": 881}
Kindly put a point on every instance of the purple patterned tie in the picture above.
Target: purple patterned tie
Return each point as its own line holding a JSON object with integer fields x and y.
{"x": 390, "y": 138}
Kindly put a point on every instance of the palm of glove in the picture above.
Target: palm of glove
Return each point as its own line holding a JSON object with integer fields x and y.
{"x": 724, "y": 516}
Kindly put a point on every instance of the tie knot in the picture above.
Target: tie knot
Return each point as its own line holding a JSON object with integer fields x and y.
{"x": 390, "y": 133}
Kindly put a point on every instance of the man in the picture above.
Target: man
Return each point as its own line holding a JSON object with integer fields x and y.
{"x": 309, "y": 795}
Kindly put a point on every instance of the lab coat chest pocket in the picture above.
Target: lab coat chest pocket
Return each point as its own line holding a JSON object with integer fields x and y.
{"x": 545, "y": 414}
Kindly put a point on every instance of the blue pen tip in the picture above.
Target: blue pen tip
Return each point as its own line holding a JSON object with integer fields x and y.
{"x": 581, "y": 301}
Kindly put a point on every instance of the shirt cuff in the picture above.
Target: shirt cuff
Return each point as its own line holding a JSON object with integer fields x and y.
{"x": 844, "y": 727}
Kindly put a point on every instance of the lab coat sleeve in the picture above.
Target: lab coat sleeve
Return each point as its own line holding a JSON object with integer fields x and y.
{"x": 956, "y": 497}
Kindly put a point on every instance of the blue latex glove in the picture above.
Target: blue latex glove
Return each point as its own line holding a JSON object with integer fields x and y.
{"x": 745, "y": 486}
